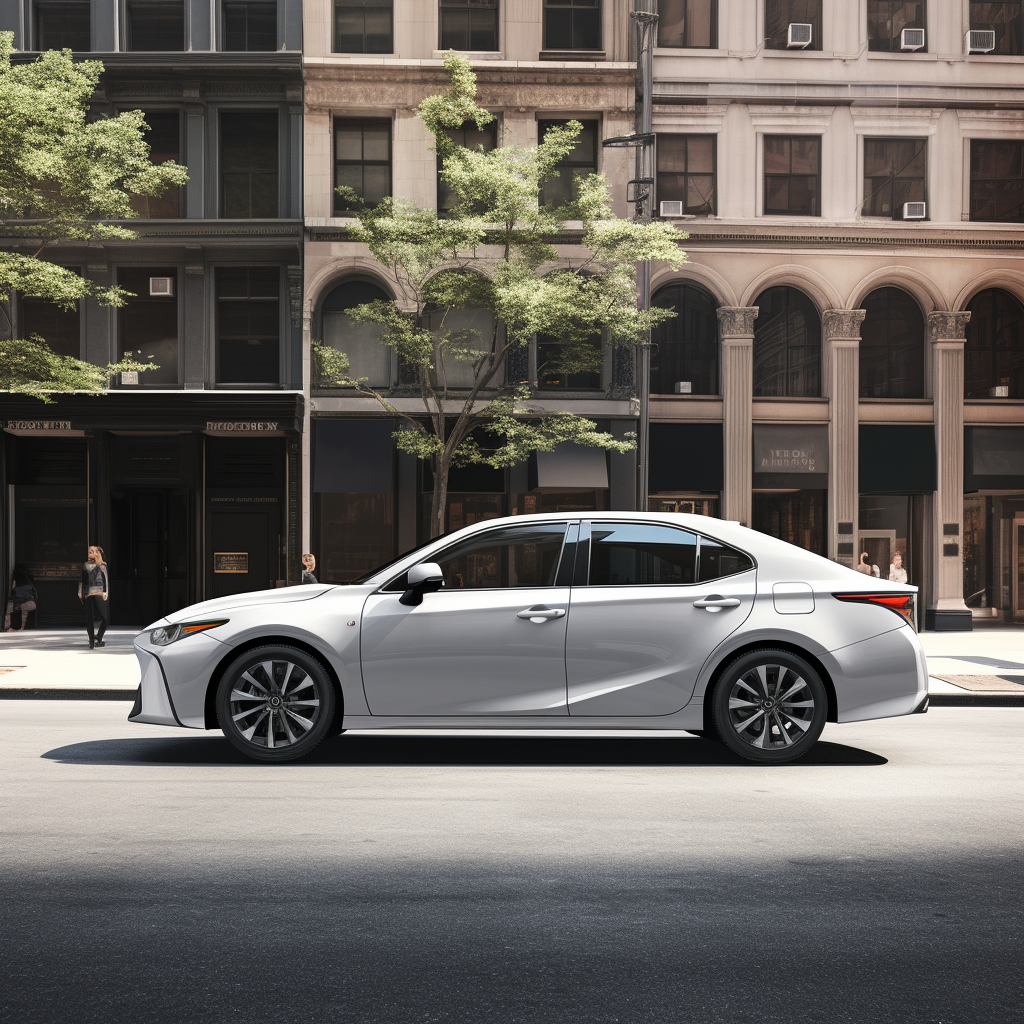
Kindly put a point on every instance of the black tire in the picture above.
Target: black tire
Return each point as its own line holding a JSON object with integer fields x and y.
{"x": 769, "y": 706}
{"x": 275, "y": 703}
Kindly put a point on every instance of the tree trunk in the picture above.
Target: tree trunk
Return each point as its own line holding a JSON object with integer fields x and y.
{"x": 439, "y": 500}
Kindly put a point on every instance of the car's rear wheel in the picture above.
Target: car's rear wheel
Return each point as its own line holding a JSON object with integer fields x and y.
{"x": 769, "y": 706}
{"x": 275, "y": 703}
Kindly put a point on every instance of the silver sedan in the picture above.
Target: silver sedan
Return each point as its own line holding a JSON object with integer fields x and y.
{"x": 605, "y": 620}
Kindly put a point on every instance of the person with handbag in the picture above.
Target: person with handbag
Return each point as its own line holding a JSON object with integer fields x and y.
{"x": 93, "y": 590}
{"x": 23, "y": 599}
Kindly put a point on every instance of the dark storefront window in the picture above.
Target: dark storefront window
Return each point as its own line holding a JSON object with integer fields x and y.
{"x": 248, "y": 325}
{"x": 362, "y": 162}
{"x": 164, "y": 139}
{"x": 792, "y": 175}
{"x": 572, "y": 24}
{"x": 63, "y": 26}
{"x": 60, "y": 328}
{"x": 469, "y": 25}
{"x": 895, "y": 172}
{"x": 363, "y": 26}
{"x": 685, "y": 347}
{"x": 357, "y": 533}
{"x": 797, "y": 517}
{"x": 780, "y": 14}
{"x": 787, "y": 345}
{"x": 360, "y": 342}
{"x": 1006, "y": 20}
{"x": 688, "y": 23}
{"x": 686, "y": 172}
{"x": 997, "y": 180}
{"x": 888, "y": 18}
{"x": 149, "y": 322}
{"x": 248, "y": 153}
{"x": 686, "y": 468}
{"x": 250, "y": 25}
{"x": 155, "y": 27}
{"x": 994, "y": 352}
{"x": 993, "y": 540}
{"x": 470, "y": 137}
{"x": 892, "y": 346}
{"x": 561, "y": 187}
{"x": 891, "y": 529}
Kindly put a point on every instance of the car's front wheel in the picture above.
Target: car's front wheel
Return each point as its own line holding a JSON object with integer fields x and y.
{"x": 275, "y": 703}
{"x": 769, "y": 706}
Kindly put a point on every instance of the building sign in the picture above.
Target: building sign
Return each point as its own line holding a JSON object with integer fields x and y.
{"x": 790, "y": 448}
{"x": 38, "y": 425}
{"x": 243, "y": 426}
{"x": 231, "y": 561}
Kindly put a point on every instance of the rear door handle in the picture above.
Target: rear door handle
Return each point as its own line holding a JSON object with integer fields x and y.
{"x": 540, "y": 614}
{"x": 714, "y": 603}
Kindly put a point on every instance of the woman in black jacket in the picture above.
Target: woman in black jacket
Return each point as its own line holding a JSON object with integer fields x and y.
{"x": 93, "y": 590}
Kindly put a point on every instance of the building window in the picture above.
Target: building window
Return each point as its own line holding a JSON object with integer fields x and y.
{"x": 787, "y": 345}
{"x": 1006, "y": 19}
{"x": 572, "y": 24}
{"x": 997, "y": 180}
{"x": 155, "y": 27}
{"x": 888, "y": 18}
{"x": 994, "y": 351}
{"x": 688, "y": 23}
{"x": 472, "y": 329}
{"x": 248, "y": 156}
{"x": 360, "y": 342}
{"x": 792, "y": 175}
{"x": 686, "y": 172}
{"x": 560, "y": 187}
{"x": 149, "y": 322}
{"x": 363, "y": 26}
{"x": 164, "y": 139}
{"x": 250, "y": 25}
{"x": 892, "y": 346}
{"x": 63, "y": 26}
{"x": 248, "y": 325}
{"x": 797, "y": 517}
{"x": 469, "y": 137}
{"x": 60, "y": 328}
{"x": 469, "y": 25}
{"x": 895, "y": 173}
{"x": 553, "y": 373}
{"x": 362, "y": 162}
{"x": 780, "y": 14}
{"x": 685, "y": 347}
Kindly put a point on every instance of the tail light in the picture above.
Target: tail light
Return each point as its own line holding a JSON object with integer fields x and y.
{"x": 904, "y": 605}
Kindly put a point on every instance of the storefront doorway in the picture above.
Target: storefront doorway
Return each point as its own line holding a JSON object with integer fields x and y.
{"x": 1018, "y": 569}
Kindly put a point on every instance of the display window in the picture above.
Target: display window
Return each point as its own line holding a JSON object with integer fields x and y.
{"x": 356, "y": 534}
{"x": 694, "y": 504}
{"x": 795, "y": 516}
{"x": 993, "y": 553}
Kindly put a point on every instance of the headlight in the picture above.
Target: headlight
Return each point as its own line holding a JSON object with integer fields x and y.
{"x": 165, "y": 635}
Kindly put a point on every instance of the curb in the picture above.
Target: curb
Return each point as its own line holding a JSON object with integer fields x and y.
{"x": 54, "y": 693}
{"x": 975, "y": 700}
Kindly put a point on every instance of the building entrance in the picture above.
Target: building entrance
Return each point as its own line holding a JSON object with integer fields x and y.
{"x": 149, "y": 563}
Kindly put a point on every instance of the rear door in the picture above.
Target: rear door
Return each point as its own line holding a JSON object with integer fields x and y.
{"x": 648, "y": 606}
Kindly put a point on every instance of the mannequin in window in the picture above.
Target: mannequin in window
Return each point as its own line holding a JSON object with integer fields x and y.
{"x": 896, "y": 571}
{"x": 864, "y": 565}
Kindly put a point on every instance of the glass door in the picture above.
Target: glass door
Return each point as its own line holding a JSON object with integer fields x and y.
{"x": 1018, "y": 569}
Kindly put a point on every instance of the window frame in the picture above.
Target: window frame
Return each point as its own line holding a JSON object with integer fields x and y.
{"x": 888, "y": 347}
{"x": 567, "y": 162}
{"x": 765, "y": 175}
{"x": 178, "y": 158}
{"x": 816, "y": 20}
{"x": 363, "y": 5}
{"x": 470, "y": 6}
{"x": 686, "y": 44}
{"x": 168, "y": 269}
{"x": 891, "y": 43}
{"x": 42, "y": 7}
{"x": 338, "y": 210}
{"x": 972, "y": 180}
{"x": 282, "y": 333}
{"x": 686, "y": 174}
{"x": 571, "y": 5}
{"x": 221, "y": 191}
{"x": 923, "y": 178}
{"x": 1015, "y": 35}
{"x": 223, "y": 30}
{"x": 442, "y": 191}
{"x": 126, "y": 29}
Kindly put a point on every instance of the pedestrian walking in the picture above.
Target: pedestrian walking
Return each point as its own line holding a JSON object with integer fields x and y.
{"x": 23, "y": 598}
{"x": 93, "y": 591}
{"x": 308, "y": 565}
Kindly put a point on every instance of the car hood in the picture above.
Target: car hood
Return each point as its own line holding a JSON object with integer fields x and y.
{"x": 255, "y": 598}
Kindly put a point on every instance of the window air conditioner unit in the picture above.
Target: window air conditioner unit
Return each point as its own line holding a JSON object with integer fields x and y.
{"x": 981, "y": 41}
{"x": 130, "y": 377}
{"x": 915, "y": 211}
{"x": 684, "y": 387}
{"x": 162, "y": 286}
{"x": 912, "y": 39}
{"x": 671, "y": 207}
{"x": 799, "y": 35}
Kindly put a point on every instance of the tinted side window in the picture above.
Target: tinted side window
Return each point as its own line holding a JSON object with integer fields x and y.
{"x": 623, "y": 554}
{"x": 517, "y": 556}
{"x": 717, "y": 560}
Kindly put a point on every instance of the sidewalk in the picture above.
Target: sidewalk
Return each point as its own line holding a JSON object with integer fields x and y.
{"x": 985, "y": 666}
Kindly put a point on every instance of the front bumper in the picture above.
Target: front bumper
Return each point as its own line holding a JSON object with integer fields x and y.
{"x": 153, "y": 704}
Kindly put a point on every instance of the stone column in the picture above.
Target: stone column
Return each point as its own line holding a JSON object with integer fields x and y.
{"x": 736, "y": 330}
{"x": 841, "y": 386}
{"x": 945, "y": 605}
{"x": 306, "y": 459}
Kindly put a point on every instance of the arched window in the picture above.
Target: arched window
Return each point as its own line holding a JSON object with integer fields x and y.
{"x": 994, "y": 353}
{"x": 892, "y": 346}
{"x": 360, "y": 342}
{"x": 686, "y": 347}
{"x": 787, "y": 345}
{"x": 471, "y": 329}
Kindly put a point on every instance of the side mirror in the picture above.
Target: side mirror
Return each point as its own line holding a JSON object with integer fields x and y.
{"x": 425, "y": 578}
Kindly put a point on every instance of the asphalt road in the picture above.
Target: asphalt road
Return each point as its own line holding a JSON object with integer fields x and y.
{"x": 147, "y": 874}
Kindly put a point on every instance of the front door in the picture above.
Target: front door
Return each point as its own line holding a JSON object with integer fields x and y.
{"x": 657, "y": 601}
{"x": 473, "y": 648}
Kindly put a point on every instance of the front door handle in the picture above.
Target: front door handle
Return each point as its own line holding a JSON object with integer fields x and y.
{"x": 540, "y": 614}
{"x": 715, "y": 603}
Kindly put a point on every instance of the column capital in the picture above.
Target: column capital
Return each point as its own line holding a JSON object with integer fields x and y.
{"x": 737, "y": 321}
{"x": 946, "y": 326}
{"x": 842, "y": 324}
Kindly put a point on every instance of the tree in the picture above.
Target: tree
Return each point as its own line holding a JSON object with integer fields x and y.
{"x": 494, "y": 253}
{"x": 63, "y": 178}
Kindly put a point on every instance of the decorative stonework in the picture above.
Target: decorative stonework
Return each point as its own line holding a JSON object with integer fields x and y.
{"x": 736, "y": 321}
{"x": 946, "y": 326}
{"x": 295, "y": 294}
{"x": 842, "y": 323}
